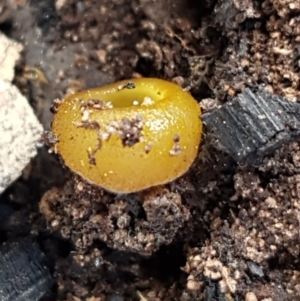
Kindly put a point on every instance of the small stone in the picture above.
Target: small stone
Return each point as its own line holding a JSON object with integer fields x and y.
{"x": 213, "y": 269}
{"x": 193, "y": 285}
{"x": 250, "y": 297}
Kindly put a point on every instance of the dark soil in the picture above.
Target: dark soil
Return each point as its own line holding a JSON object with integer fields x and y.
{"x": 221, "y": 232}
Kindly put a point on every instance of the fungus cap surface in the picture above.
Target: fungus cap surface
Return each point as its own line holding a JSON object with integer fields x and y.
{"x": 129, "y": 135}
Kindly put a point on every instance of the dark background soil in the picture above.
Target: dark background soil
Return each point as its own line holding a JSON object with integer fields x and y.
{"x": 221, "y": 232}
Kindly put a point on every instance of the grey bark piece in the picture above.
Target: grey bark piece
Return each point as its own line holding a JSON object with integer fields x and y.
{"x": 23, "y": 275}
{"x": 9, "y": 54}
{"x": 254, "y": 125}
{"x": 19, "y": 132}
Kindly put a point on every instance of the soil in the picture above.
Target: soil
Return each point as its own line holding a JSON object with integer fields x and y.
{"x": 222, "y": 231}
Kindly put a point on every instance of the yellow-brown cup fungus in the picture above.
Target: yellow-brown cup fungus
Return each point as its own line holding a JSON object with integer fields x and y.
{"x": 129, "y": 135}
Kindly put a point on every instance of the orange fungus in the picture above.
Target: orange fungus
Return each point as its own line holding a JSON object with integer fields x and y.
{"x": 129, "y": 135}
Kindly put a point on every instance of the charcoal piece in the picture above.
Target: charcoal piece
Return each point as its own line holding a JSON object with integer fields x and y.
{"x": 23, "y": 276}
{"x": 254, "y": 125}
{"x": 212, "y": 291}
{"x": 255, "y": 269}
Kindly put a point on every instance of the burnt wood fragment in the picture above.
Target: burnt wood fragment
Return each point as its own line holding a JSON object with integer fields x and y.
{"x": 23, "y": 275}
{"x": 254, "y": 124}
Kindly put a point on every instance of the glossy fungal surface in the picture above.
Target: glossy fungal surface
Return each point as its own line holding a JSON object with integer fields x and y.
{"x": 129, "y": 135}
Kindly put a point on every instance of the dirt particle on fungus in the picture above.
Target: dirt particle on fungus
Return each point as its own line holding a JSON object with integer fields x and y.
{"x": 176, "y": 149}
{"x": 129, "y": 85}
{"x": 147, "y": 101}
{"x": 130, "y": 130}
{"x": 148, "y": 148}
{"x": 55, "y": 105}
{"x": 87, "y": 123}
{"x": 96, "y": 104}
{"x": 85, "y": 115}
{"x": 92, "y": 152}
{"x": 49, "y": 139}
